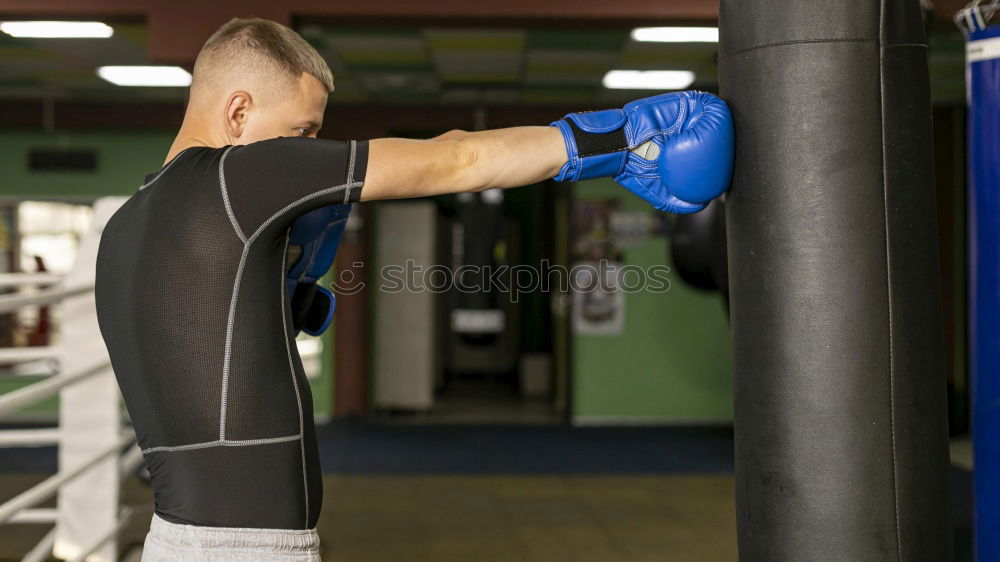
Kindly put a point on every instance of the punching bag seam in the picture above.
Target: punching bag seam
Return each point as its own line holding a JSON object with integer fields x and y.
{"x": 808, "y": 41}
{"x": 796, "y": 42}
{"x": 888, "y": 276}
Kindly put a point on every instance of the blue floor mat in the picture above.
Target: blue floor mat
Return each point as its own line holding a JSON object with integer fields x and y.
{"x": 361, "y": 447}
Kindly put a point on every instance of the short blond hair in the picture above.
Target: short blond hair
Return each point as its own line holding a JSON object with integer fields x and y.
{"x": 258, "y": 48}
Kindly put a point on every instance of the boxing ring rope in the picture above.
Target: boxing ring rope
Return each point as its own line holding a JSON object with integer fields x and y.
{"x": 46, "y": 296}
{"x": 35, "y": 515}
{"x": 8, "y": 280}
{"x": 43, "y": 549}
{"x": 95, "y": 450}
{"x": 48, "y": 487}
{"x": 28, "y": 354}
{"x": 42, "y": 437}
{"x": 22, "y": 398}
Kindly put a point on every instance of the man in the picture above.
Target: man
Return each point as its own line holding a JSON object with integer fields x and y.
{"x": 191, "y": 288}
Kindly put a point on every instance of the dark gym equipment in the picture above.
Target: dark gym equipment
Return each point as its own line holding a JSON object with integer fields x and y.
{"x": 698, "y": 248}
{"x": 839, "y": 379}
{"x": 483, "y": 322}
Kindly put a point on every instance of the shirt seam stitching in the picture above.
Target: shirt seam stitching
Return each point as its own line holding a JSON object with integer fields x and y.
{"x": 291, "y": 368}
{"x": 225, "y": 196}
{"x": 161, "y": 172}
{"x": 228, "y": 352}
{"x": 222, "y": 443}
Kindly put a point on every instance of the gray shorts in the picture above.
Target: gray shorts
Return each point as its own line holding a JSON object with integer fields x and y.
{"x": 170, "y": 542}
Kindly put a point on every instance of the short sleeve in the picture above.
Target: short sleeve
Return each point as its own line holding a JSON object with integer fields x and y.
{"x": 283, "y": 178}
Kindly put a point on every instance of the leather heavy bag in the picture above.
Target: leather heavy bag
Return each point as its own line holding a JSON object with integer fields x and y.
{"x": 838, "y": 362}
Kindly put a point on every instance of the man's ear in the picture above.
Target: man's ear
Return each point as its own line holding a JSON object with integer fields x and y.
{"x": 237, "y": 110}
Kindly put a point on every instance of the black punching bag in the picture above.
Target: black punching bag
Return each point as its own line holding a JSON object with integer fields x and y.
{"x": 838, "y": 360}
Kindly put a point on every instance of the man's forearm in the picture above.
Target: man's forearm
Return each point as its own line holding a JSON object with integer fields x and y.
{"x": 460, "y": 161}
{"x": 512, "y": 157}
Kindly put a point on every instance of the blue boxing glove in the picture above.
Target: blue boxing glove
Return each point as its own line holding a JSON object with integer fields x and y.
{"x": 673, "y": 150}
{"x": 313, "y": 242}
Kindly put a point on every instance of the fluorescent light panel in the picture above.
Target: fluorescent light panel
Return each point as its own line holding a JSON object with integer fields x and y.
{"x": 648, "y": 79}
{"x": 145, "y": 75}
{"x": 676, "y": 34}
{"x": 57, "y": 29}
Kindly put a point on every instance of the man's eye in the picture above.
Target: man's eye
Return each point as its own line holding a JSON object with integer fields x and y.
{"x": 305, "y": 132}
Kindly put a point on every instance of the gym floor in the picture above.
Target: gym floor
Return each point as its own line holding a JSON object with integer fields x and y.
{"x": 417, "y": 492}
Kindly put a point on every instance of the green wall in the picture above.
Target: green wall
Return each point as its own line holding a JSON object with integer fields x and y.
{"x": 672, "y": 361}
{"x": 124, "y": 158}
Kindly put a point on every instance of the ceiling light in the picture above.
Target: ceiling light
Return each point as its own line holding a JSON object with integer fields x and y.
{"x": 676, "y": 34}
{"x": 648, "y": 79}
{"x": 145, "y": 75}
{"x": 57, "y": 29}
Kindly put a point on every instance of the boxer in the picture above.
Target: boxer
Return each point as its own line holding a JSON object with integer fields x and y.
{"x": 195, "y": 282}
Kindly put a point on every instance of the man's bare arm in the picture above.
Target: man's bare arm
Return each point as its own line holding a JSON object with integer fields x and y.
{"x": 460, "y": 161}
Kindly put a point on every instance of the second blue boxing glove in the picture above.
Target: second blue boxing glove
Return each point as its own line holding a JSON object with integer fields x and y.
{"x": 313, "y": 242}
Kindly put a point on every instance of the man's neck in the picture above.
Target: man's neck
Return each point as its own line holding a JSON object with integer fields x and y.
{"x": 192, "y": 134}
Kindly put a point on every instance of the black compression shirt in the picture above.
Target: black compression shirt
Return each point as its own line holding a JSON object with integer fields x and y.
{"x": 191, "y": 303}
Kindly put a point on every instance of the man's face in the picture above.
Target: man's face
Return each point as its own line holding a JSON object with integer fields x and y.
{"x": 299, "y": 113}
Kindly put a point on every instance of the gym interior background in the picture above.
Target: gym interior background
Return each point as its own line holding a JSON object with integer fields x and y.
{"x": 454, "y": 426}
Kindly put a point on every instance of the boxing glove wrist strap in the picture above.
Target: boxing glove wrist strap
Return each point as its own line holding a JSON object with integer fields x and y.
{"x": 596, "y": 145}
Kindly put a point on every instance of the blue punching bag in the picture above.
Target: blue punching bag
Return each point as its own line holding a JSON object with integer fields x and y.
{"x": 983, "y": 76}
